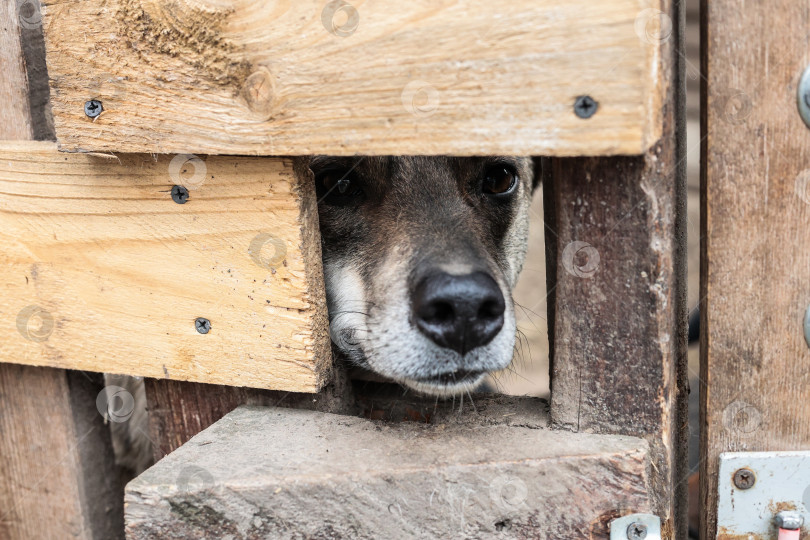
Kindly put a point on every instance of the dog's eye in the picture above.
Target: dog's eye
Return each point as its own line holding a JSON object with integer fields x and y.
{"x": 499, "y": 180}
{"x": 337, "y": 187}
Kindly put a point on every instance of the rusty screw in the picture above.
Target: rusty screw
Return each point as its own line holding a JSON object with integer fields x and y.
{"x": 179, "y": 194}
{"x": 202, "y": 325}
{"x": 637, "y": 531}
{"x": 585, "y": 106}
{"x": 744, "y": 478}
{"x": 93, "y": 108}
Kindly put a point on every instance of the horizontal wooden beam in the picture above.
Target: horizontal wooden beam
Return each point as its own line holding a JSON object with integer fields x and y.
{"x": 103, "y": 271}
{"x": 376, "y": 77}
{"x": 268, "y": 472}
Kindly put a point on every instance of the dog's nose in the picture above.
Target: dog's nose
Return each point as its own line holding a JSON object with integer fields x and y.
{"x": 458, "y": 312}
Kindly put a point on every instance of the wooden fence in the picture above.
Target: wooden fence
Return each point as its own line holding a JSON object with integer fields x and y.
{"x": 115, "y": 275}
{"x": 164, "y": 235}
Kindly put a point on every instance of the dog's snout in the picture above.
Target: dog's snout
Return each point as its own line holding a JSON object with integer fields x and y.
{"x": 458, "y": 312}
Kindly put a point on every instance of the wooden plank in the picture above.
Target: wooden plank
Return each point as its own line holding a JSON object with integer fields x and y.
{"x": 33, "y": 53}
{"x": 103, "y": 271}
{"x": 354, "y": 478}
{"x": 57, "y": 473}
{"x": 15, "y": 116}
{"x": 58, "y": 477}
{"x": 618, "y": 308}
{"x": 279, "y": 78}
{"x": 756, "y": 240}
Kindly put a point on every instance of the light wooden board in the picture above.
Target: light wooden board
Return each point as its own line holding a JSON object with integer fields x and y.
{"x": 755, "y": 275}
{"x": 617, "y": 327}
{"x": 105, "y": 272}
{"x": 422, "y": 77}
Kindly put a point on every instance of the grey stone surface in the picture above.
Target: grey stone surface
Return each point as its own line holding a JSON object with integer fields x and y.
{"x": 283, "y": 473}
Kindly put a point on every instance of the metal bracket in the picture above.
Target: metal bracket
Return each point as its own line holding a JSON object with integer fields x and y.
{"x": 636, "y": 527}
{"x": 754, "y": 487}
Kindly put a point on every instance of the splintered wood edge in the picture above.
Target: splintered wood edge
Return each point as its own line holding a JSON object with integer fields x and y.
{"x": 311, "y": 250}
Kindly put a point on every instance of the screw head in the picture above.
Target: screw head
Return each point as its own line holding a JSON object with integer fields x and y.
{"x": 202, "y": 325}
{"x": 93, "y": 108}
{"x": 744, "y": 478}
{"x": 636, "y": 531}
{"x": 179, "y": 194}
{"x": 585, "y": 106}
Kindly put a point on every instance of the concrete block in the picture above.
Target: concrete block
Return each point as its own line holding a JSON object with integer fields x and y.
{"x": 282, "y": 473}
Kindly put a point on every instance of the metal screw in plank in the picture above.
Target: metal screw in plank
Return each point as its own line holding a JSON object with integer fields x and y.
{"x": 179, "y": 194}
{"x": 202, "y": 325}
{"x": 803, "y": 97}
{"x": 636, "y": 531}
{"x": 744, "y": 478}
{"x": 93, "y": 108}
{"x": 636, "y": 527}
{"x": 585, "y": 106}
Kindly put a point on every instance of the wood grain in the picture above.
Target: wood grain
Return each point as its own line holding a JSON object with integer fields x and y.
{"x": 15, "y": 116}
{"x": 103, "y": 271}
{"x": 423, "y": 77}
{"x": 755, "y": 275}
{"x": 57, "y": 473}
{"x": 275, "y": 473}
{"x": 616, "y": 236}
{"x": 58, "y": 477}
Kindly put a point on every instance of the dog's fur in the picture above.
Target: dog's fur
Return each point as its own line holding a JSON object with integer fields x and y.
{"x": 414, "y": 215}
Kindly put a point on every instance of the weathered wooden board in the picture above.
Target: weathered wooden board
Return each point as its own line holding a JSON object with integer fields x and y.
{"x": 375, "y": 77}
{"x": 57, "y": 473}
{"x": 617, "y": 324}
{"x": 15, "y": 116}
{"x": 58, "y": 477}
{"x": 103, "y": 271}
{"x": 281, "y": 473}
{"x": 755, "y": 275}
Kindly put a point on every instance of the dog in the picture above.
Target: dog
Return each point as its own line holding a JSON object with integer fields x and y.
{"x": 420, "y": 255}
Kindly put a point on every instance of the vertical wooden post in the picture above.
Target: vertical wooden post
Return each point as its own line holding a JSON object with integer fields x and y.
{"x": 57, "y": 472}
{"x": 755, "y": 252}
{"x": 618, "y": 307}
